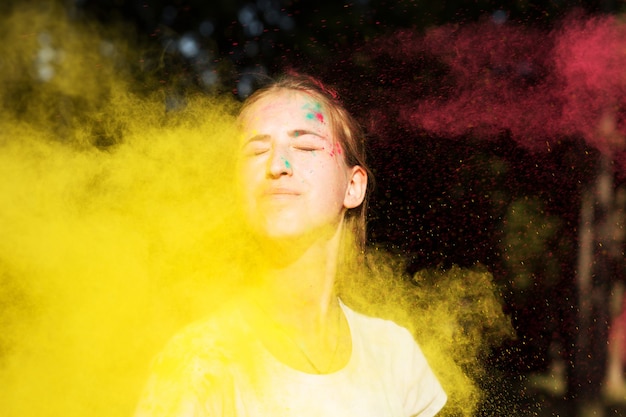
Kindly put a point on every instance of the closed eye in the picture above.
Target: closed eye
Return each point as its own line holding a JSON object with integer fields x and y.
{"x": 305, "y": 140}
{"x": 257, "y": 145}
{"x": 255, "y": 150}
{"x": 308, "y": 147}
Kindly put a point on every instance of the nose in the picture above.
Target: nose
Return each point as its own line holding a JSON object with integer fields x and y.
{"x": 279, "y": 163}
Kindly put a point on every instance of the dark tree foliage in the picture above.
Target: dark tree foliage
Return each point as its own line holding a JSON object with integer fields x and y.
{"x": 238, "y": 40}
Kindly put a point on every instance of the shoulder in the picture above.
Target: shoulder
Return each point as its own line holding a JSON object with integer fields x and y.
{"x": 406, "y": 367}
{"x": 378, "y": 329}
{"x": 193, "y": 367}
{"x": 204, "y": 346}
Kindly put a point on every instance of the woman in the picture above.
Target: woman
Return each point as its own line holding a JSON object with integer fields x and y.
{"x": 291, "y": 347}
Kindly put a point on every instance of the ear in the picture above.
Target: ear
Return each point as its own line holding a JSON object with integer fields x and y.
{"x": 357, "y": 186}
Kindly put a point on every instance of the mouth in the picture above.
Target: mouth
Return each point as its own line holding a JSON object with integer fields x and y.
{"x": 280, "y": 193}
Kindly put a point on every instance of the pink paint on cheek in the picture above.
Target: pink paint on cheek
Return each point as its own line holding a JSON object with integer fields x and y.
{"x": 335, "y": 149}
{"x": 319, "y": 117}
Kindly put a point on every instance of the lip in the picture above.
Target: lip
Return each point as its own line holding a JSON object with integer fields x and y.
{"x": 281, "y": 191}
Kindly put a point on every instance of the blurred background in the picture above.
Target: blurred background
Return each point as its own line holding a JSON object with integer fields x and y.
{"x": 498, "y": 139}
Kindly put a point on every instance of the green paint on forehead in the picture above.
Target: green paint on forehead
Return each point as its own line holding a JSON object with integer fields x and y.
{"x": 314, "y": 111}
{"x": 314, "y": 106}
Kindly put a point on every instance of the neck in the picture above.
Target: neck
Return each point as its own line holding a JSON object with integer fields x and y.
{"x": 296, "y": 313}
{"x": 298, "y": 290}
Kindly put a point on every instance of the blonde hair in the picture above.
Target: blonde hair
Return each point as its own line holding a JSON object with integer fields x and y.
{"x": 346, "y": 131}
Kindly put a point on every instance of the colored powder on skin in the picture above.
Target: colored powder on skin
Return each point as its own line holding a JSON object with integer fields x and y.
{"x": 336, "y": 149}
{"x": 315, "y": 112}
{"x": 538, "y": 85}
{"x": 115, "y": 233}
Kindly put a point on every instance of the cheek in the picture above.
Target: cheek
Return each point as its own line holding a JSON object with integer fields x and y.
{"x": 249, "y": 168}
{"x": 322, "y": 166}
{"x": 330, "y": 176}
{"x": 334, "y": 150}
{"x": 247, "y": 180}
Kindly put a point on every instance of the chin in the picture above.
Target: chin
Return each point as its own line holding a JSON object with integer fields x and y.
{"x": 291, "y": 226}
{"x": 281, "y": 233}
{"x": 294, "y": 233}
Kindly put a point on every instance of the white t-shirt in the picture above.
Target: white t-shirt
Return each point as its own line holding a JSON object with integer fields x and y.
{"x": 386, "y": 376}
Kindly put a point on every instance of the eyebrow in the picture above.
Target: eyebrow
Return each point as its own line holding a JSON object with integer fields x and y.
{"x": 292, "y": 134}
{"x": 257, "y": 138}
{"x": 299, "y": 132}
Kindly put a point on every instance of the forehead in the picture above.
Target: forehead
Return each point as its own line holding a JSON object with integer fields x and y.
{"x": 284, "y": 104}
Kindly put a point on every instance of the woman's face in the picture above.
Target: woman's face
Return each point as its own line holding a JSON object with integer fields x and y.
{"x": 294, "y": 179}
